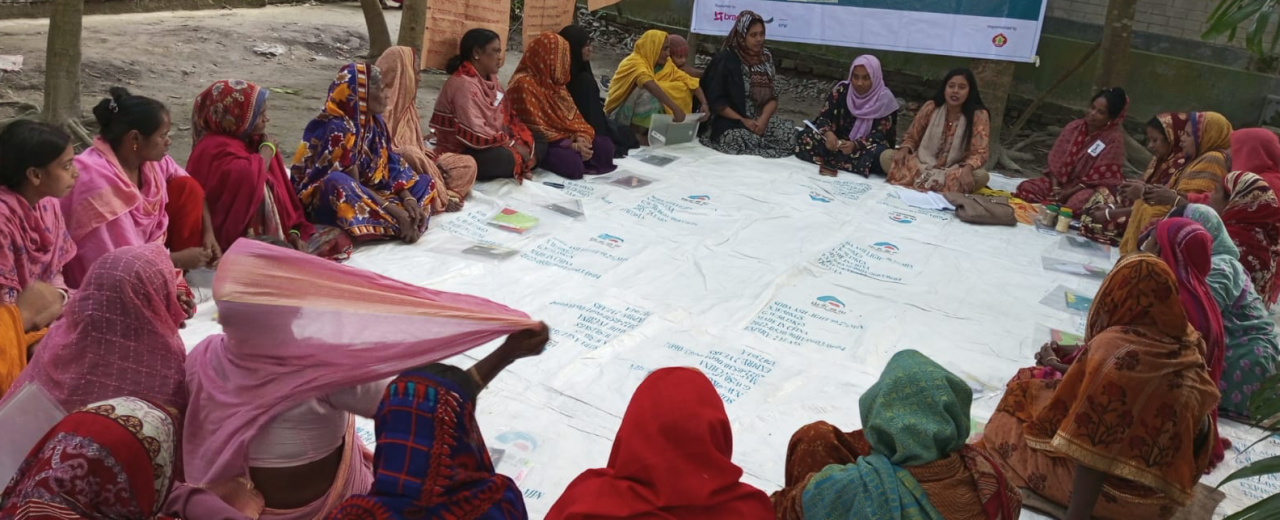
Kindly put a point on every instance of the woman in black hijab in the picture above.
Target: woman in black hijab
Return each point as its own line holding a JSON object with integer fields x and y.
{"x": 586, "y": 92}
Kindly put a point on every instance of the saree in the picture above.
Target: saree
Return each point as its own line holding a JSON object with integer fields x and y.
{"x": 1252, "y": 351}
{"x": 1257, "y": 150}
{"x": 586, "y": 93}
{"x": 1159, "y": 171}
{"x": 431, "y": 460}
{"x": 1134, "y": 405}
{"x": 14, "y": 344}
{"x": 472, "y": 114}
{"x": 940, "y": 150}
{"x": 677, "y": 83}
{"x": 247, "y": 195}
{"x": 671, "y": 459}
{"x": 909, "y": 460}
{"x": 118, "y": 335}
{"x": 1076, "y": 160}
{"x": 1196, "y": 181}
{"x": 538, "y": 95}
{"x": 38, "y": 244}
{"x": 259, "y": 368}
{"x": 635, "y": 70}
{"x": 344, "y": 164}
{"x": 1252, "y": 218}
{"x": 455, "y": 174}
{"x": 113, "y": 459}
{"x": 106, "y": 211}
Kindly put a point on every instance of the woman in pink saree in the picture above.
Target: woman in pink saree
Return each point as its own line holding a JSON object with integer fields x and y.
{"x": 270, "y": 427}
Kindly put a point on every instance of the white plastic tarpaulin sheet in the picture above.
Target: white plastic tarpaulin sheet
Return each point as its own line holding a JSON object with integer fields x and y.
{"x": 791, "y": 292}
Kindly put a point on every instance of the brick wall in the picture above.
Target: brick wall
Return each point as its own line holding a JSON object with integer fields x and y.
{"x": 1173, "y": 18}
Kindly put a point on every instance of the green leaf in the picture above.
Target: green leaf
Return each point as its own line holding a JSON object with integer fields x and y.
{"x": 1256, "y": 468}
{"x": 1266, "y": 508}
{"x": 1264, "y": 404}
{"x": 1228, "y": 20}
{"x": 285, "y": 90}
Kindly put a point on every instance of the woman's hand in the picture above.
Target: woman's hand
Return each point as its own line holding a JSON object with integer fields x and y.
{"x": 408, "y": 232}
{"x": 210, "y": 244}
{"x": 295, "y": 240}
{"x": 413, "y": 209}
{"x": 964, "y": 176}
{"x": 1099, "y": 214}
{"x": 191, "y": 258}
{"x": 845, "y": 147}
{"x": 526, "y": 343}
{"x": 831, "y": 141}
{"x": 677, "y": 115}
{"x": 1159, "y": 196}
{"x": 762, "y": 124}
{"x": 1132, "y": 190}
{"x": 188, "y": 304}
{"x": 39, "y": 304}
{"x": 583, "y": 147}
{"x": 750, "y": 124}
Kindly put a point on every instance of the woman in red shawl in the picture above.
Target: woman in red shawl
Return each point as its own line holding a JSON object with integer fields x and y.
{"x": 1088, "y": 155}
{"x": 1106, "y": 215}
{"x": 671, "y": 459}
{"x": 1251, "y": 212}
{"x": 244, "y": 179}
{"x": 1257, "y": 150}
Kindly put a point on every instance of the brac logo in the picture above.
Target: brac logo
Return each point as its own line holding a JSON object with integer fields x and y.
{"x": 830, "y": 304}
{"x": 721, "y": 16}
{"x": 901, "y": 218}
{"x": 701, "y": 200}
{"x": 818, "y": 197}
{"x": 608, "y": 240}
{"x": 886, "y": 247}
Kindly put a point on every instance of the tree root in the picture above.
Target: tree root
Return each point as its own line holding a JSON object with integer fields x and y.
{"x": 1005, "y": 160}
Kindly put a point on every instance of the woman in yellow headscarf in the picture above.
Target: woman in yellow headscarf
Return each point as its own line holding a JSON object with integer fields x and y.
{"x": 1206, "y": 141}
{"x": 676, "y": 81}
{"x": 634, "y": 94}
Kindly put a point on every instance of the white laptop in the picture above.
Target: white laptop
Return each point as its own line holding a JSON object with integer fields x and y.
{"x": 663, "y": 132}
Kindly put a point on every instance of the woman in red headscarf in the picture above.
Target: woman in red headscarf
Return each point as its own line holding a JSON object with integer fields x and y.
{"x": 1088, "y": 155}
{"x": 244, "y": 179}
{"x": 1257, "y": 150}
{"x": 1250, "y": 209}
{"x": 671, "y": 459}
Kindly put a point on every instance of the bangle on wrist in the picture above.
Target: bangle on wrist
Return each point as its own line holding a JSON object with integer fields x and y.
{"x": 270, "y": 145}
{"x": 1108, "y": 214}
{"x": 295, "y": 233}
{"x": 475, "y": 376}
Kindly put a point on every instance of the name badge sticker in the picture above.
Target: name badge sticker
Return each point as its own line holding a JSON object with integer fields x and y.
{"x": 1093, "y": 150}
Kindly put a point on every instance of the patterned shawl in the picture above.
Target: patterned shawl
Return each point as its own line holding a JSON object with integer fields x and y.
{"x": 1071, "y": 163}
{"x": 347, "y": 137}
{"x": 915, "y": 414}
{"x": 400, "y": 85}
{"x": 757, "y": 66}
{"x": 431, "y": 460}
{"x": 38, "y": 244}
{"x": 538, "y": 93}
{"x": 1134, "y": 402}
{"x": 636, "y": 69}
{"x": 1252, "y": 217}
{"x": 118, "y": 335}
{"x": 670, "y": 459}
{"x": 112, "y": 460}
{"x": 1161, "y": 169}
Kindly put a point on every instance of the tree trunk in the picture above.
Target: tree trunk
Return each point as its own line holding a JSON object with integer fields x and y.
{"x": 995, "y": 81}
{"x": 62, "y": 63}
{"x": 379, "y": 35}
{"x": 413, "y": 20}
{"x": 1117, "y": 33}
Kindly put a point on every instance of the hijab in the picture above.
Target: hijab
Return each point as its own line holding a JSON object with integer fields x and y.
{"x": 636, "y": 69}
{"x": 736, "y": 41}
{"x": 578, "y": 39}
{"x": 1161, "y": 169}
{"x": 538, "y": 94}
{"x": 677, "y": 45}
{"x": 1257, "y": 150}
{"x": 878, "y": 102}
{"x": 38, "y": 243}
{"x": 1252, "y": 218}
{"x": 671, "y": 459}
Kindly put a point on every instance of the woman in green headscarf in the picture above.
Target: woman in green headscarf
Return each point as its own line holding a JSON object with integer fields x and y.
{"x": 1252, "y": 350}
{"x": 909, "y": 461}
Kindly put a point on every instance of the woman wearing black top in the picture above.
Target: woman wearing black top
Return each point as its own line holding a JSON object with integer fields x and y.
{"x": 586, "y": 93}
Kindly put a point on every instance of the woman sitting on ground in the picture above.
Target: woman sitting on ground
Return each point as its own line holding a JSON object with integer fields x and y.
{"x": 586, "y": 93}
{"x": 430, "y": 451}
{"x": 1088, "y": 155}
{"x": 473, "y": 117}
{"x": 245, "y": 182}
{"x": 118, "y": 335}
{"x": 673, "y": 78}
{"x": 1106, "y": 215}
{"x": 345, "y": 172}
{"x": 946, "y": 146}
{"x": 454, "y": 174}
{"x": 1206, "y": 142}
{"x": 1251, "y": 212}
{"x": 1252, "y": 351}
{"x": 670, "y": 459}
{"x": 909, "y": 455}
{"x": 539, "y": 98}
{"x": 634, "y": 93}
{"x": 1044, "y": 433}
{"x": 739, "y": 85}
{"x": 130, "y": 192}
{"x": 22, "y": 324}
{"x": 37, "y": 166}
{"x": 270, "y": 426}
{"x": 857, "y": 124}
{"x": 1257, "y": 150}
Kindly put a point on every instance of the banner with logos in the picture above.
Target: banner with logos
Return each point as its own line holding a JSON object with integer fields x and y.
{"x": 993, "y": 29}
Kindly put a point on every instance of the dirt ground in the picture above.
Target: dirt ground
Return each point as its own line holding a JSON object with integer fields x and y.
{"x": 172, "y": 56}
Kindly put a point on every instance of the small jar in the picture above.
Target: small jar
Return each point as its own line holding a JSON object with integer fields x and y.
{"x": 1064, "y": 220}
{"x": 1049, "y": 215}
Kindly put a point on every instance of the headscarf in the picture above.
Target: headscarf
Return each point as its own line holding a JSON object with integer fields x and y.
{"x": 756, "y": 65}
{"x": 1140, "y": 384}
{"x": 1161, "y": 169}
{"x": 1070, "y": 162}
{"x": 118, "y": 335}
{"x": 1187, "y": 248}
{"x": 400, "y": 86}
{"x": 677, "y": 45}
{"x": 876, "y": 103}
{"x": 670, "y": 459}
{"x": 113, "y": 459}
{"x": 431, "y": 460}
{"x": 347, "y": 137}
{"x": 636, "y": 69}
{"x": 226, "y": 163}
{"x": 578, "y": 39}
{"x": 538, "y": 93}
{"x": 1252, "y": 217}
{"x": 38, "y": 244}
{"x": 259, "y": 367}
{"x": 1257, "y": 150}
{"x": 916, "y": 413}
